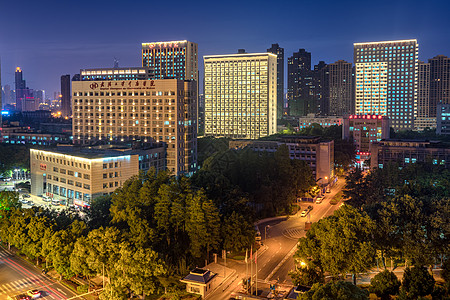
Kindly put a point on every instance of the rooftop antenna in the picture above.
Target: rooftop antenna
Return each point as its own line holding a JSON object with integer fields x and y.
{"x": 116, "y": 63}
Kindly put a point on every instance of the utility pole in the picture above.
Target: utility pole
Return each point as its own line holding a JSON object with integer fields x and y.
{"x": 256, "y": 265}
{"x": 251, "y": 270}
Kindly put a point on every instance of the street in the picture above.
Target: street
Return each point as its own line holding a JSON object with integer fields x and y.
{"x": 18, "y": 276}
{"x": 275, "y": 258}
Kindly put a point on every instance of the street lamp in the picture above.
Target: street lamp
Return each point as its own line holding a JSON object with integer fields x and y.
{"x": 265, "y": 232}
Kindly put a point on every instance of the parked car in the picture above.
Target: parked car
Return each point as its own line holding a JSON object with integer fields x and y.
{"x": 319, "y": 200}
{"x": 26, "y": 196}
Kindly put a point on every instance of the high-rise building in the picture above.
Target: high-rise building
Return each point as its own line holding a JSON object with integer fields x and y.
{"x": 171, "y": 60}
{"x": 20, "y": 86}
{"x": 276, "y": 49}
{"x": 8, "y": 95}
{"x": 386, "y": 80}
{"x": 300, "y": 80}
{"x": 340, "y": 89}
{"x": 424, "y": 118}
{"x": 66, "y": 106}
{"x": 439, "y": 82}
{"x": 320, "y": 88}
{"x": 240, "y": 95}
{"x": 152, "y": 111}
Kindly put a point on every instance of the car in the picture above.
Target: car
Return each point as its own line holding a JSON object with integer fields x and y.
{"x": 304, "y": 213}
{"x": 319, "y": 200}
{"x": 26, "y": 196}
{"x": 46, "y": 199}
{"x": 34, "y": 294}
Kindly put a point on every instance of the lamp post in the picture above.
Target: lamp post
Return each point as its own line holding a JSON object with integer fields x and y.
{"x": 265, "y": 232}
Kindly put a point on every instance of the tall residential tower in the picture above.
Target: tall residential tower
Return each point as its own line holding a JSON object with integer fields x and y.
{"x": 276, "y": 49}
{"x": 387, "y": 80}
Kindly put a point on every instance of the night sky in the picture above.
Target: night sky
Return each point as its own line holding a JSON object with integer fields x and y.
{"x": 50, "y": 38}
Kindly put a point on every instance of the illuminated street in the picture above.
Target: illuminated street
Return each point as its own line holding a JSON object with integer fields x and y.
{"x": 17, "y": 276}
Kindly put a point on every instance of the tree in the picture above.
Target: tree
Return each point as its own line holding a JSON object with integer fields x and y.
{"x": 417, "y": 281}
{"x": 99, "y": 214}
{"x": 237, "y": 232}
{"x": 337, "y": 290}
{"x": 339, "y": 244}
{"x": 385, "y": 284}
{"x": 307, "y": 276}
{"x": 138, "y": 269}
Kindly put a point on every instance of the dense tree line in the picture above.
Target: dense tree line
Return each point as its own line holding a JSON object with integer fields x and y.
{"x": 153, "y": 227}
{"x": 392, "y": 215}
{"x": 254, "y": 183}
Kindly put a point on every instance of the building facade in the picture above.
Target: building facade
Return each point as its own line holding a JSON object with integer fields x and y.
{"x": 79, "y": 176}
{"x": 404, "y": 152}
{"x": 152, "y": 111}
{"x": 425, "y": 115}
{"x": 131, "y": 73}
{"x": 279, "y": 52}
{"x": 443, "y": 119}
{"x": 439, "y": 82}
{"x": 311, "y": 119}
{"x": 318, "y": 154}
{"x": 340, "y": 93}
{"x": 300, "y": 80}
{"x": 171, "y": 60}
{"x": 364, "y": 130}
{"x": 66, "y": 107}
{"x": 321, "y": 88}
{"x": 387, "y": 80}
{"x": 240, "y": 95}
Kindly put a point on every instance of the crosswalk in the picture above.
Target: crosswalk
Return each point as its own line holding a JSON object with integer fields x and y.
{"x": 294, "y": 232}
{"x": 20, "y": 285}
{"x": 3, "y": 253}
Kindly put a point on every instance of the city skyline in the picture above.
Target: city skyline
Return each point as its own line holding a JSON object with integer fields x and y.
{"x": 48, "y": 50}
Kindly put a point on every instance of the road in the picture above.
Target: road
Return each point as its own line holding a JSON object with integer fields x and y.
{"x": 18, "y": 276}
{"x": 275, "y": 260}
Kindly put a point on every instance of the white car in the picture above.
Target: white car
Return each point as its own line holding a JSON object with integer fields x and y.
{"x": 319, "y": 200}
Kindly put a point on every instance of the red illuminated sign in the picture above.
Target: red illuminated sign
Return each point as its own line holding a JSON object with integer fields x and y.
{"x": 43, "y": 167}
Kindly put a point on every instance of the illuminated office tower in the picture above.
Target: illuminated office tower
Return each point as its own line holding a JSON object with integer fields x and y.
{"x": 241, "y": 95}
{"x": 276, "y": 49}
{"x": 151, "y": 111}
{"x": 387, "y": 79}
{"x": 171, "y": 60}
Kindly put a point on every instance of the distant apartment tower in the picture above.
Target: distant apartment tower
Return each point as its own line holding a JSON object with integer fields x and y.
{"x": 276, "y": 49}
{"x": 425, "y": 116}
{"x": 171, "y": 60}
{"x": 386, "y": 80}
{"x": 240, "y": 95}
{"x": 300, "y": 98}
{"x": 151, "y": 111}
{"x": 439, "y": 82}
{"x": 66, "y": 107}
{"x": 340, "y": 89}
{"x": 320, "y": 88}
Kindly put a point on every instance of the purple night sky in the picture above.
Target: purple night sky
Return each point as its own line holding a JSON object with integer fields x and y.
{"x": 50, "y": 38}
